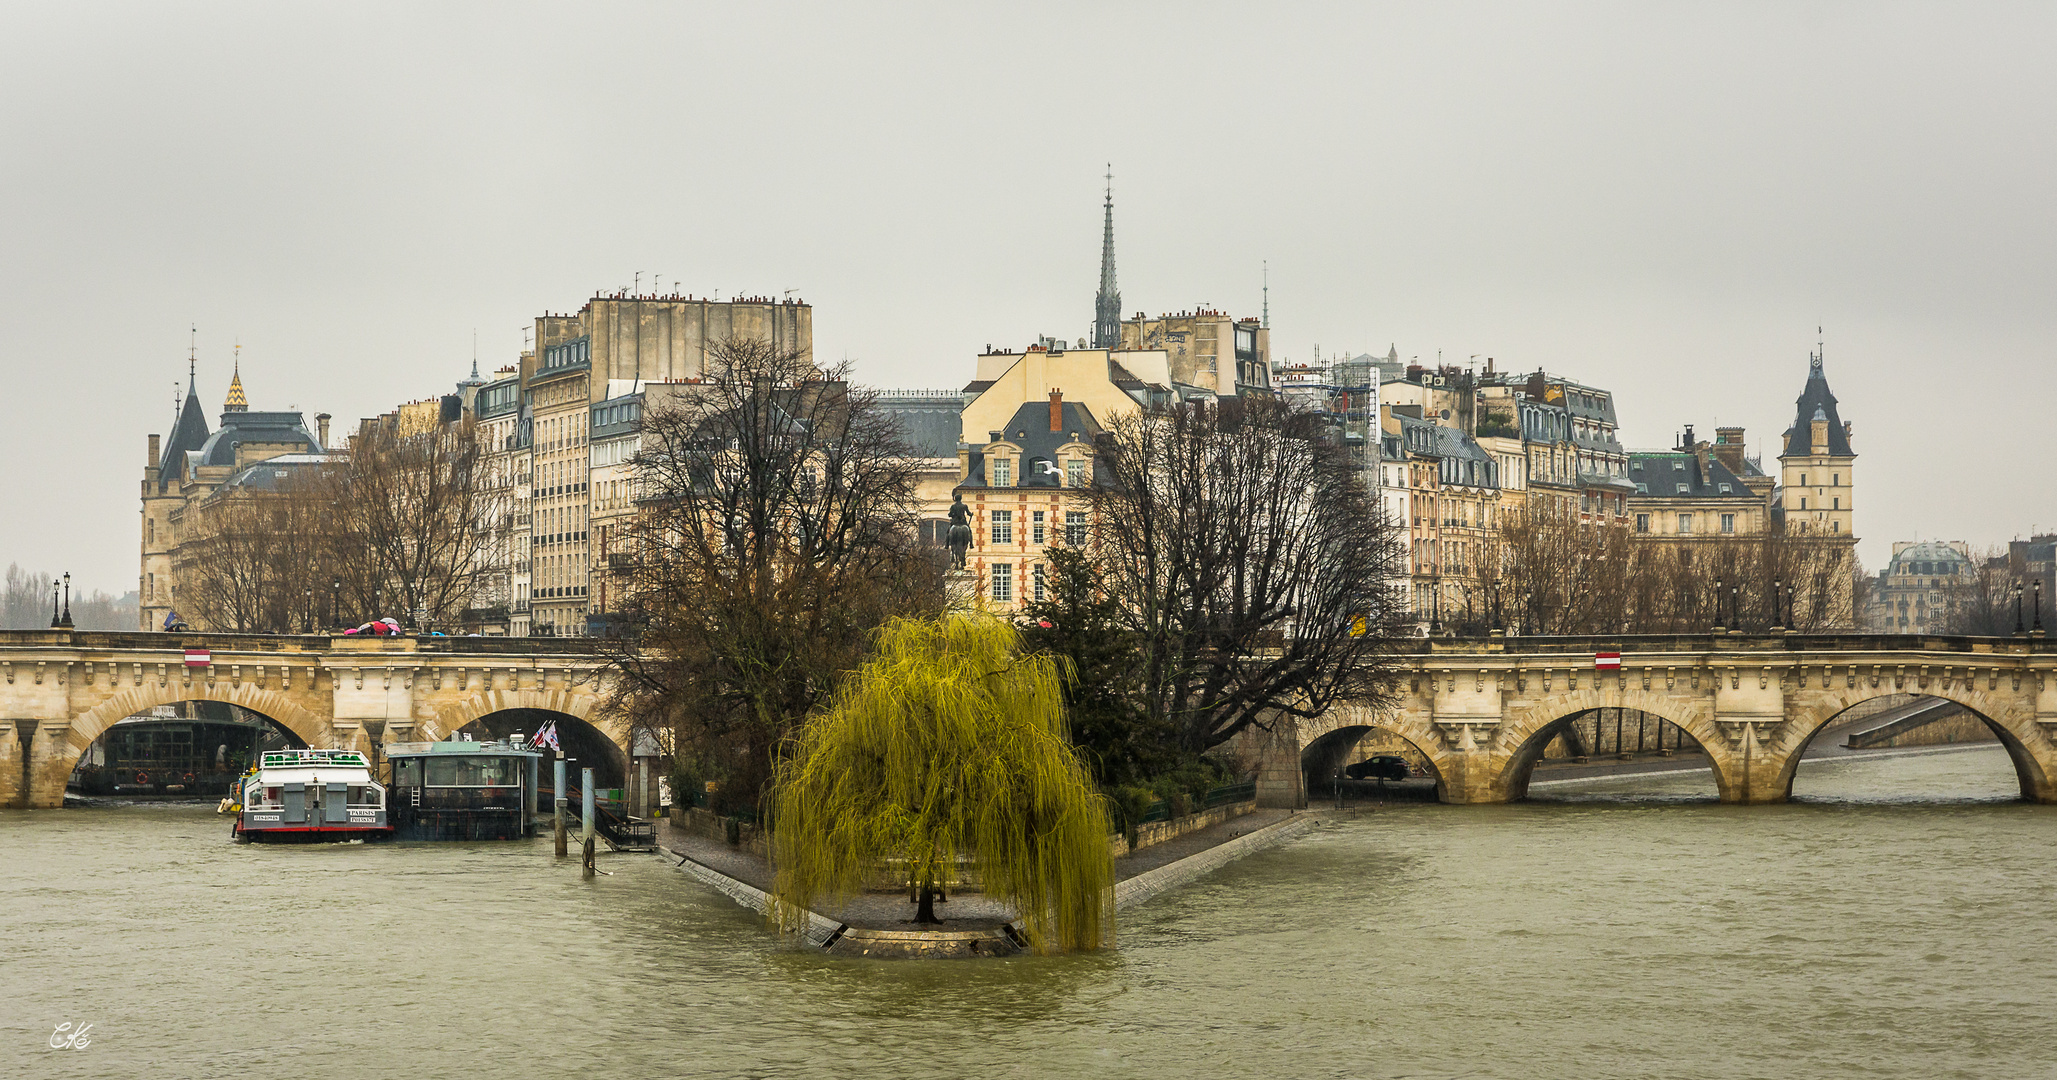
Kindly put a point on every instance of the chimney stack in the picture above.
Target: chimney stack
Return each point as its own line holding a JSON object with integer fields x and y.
{"x": 1056, "y": 410}
{"x": 1729, "y": 447}
{"x": 153, "y": 451}
{"x": 322, "y": 429}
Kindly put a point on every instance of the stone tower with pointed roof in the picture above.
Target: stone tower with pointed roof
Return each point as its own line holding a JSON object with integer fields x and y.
{"x": 1817, "y": 486}
{"x": 1816, "y": 464}
{"x": 1107, "y": 303}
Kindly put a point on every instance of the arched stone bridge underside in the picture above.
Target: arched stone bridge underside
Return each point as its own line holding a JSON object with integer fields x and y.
{"x": 1482, "y": 711}
{"x": 60, "y": 689}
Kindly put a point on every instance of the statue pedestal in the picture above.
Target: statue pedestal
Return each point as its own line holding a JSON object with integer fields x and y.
{"x": 961, "y": 589}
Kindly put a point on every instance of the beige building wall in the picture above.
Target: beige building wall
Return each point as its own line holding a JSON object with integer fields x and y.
{"x": 1203, "y": 351}
{"x": 665, "y": 338}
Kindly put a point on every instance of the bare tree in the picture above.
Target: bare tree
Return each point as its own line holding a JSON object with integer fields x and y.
{"x": 1572, "y": 577}
{"x": 1251, "y": 561}
{"x": 414, "y": 519}
{"x": 259, "y": 559}
{"x": 775, "y": 533}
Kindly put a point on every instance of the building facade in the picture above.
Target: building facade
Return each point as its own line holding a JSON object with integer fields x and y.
{"x": 181, "y": 474}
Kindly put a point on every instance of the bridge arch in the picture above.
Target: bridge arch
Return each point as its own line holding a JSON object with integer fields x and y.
{"x": 1529, "y": 728}
{"x": 276, "y": 705}
{"x": 2011, "y": 718}
{"x": 1336, "y": 730}
{"x": 461, "y": 713}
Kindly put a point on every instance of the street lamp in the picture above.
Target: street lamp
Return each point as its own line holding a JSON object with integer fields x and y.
{"x": 335, "y": 601}
{"x": 55, "y": 621}
{"x": 1778, "y": 586}
{"x": 1719, "y": 625}
{"x": 308, "y": 626}
{"x": 2018, "y": 629}
{"x": 67, "y": 599}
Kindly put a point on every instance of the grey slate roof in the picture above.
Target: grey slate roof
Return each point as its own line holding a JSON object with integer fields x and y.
{"x": 1658, "y": 474}
{"x": 1029, "y": 428}
{"x": 930, "y": 425}
{"x": 189, "y": 435}
{"x": 1816, "y": 398}
{"x": 271, "y": 474}
{"x": 262, "y": 427}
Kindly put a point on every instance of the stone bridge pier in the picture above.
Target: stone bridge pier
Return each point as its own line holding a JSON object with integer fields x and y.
{"x": 60, "y": 690}
{"x": 1482, "y": 712}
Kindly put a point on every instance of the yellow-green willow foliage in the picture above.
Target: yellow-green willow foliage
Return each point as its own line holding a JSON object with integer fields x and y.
{"x": 948, "y": 741}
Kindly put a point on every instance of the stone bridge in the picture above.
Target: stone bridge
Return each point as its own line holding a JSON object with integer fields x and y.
{"x": 60, "y": 689}
{"x": 1482, "y": 710}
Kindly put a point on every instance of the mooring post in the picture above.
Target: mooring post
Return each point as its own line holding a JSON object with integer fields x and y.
{"x": 562, "y": 803}
{"x": 588, "y": 850}
{"x": 586, "y": 805}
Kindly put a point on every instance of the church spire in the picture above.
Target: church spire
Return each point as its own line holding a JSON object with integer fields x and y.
{"x": 236, "y": 402}
{"x": 1107, "y": 305}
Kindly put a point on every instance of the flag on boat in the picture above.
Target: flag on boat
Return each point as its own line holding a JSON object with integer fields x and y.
{"x": 198, "y": 658}
{"x": 547, "y": 736}
{"x": 1607, "y": 661}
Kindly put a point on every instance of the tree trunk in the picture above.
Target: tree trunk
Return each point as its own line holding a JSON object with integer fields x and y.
{"x": 926, "y": 911}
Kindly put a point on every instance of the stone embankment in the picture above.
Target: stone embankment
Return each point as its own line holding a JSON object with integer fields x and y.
{"x": 879, "y": 923}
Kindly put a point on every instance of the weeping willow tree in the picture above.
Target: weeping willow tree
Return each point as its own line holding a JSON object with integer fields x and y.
{"x": 949, "y": 741}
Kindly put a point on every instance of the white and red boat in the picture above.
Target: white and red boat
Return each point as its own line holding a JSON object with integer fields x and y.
{"x": 312, "y": 795}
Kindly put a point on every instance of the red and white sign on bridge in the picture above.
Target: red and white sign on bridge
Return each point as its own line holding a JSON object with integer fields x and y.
{"x": 1607, "y": 661}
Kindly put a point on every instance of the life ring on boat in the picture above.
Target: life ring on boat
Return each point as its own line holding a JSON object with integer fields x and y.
{"x": 142, "y": 778}
{"x": 188, "y": 778}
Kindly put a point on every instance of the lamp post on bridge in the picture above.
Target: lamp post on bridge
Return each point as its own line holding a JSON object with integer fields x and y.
{"x": 61, "y": 620}
{"x": 307, "y": 627}
{"x": 335, "y": 601}
{"x": 2019, "y": 630}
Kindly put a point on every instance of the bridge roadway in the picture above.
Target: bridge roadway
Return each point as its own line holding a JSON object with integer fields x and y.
{"x": 1482, "y": 710}
{"x": 60, "y": 689}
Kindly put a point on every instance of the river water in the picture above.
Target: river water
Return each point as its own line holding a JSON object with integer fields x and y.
{"x": 1900, "y": 923}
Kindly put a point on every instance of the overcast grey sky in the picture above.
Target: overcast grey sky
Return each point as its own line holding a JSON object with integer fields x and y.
{"x": 1664, "y": 200}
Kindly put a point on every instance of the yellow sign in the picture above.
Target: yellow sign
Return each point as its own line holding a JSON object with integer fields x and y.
{"x": 1358, "y": 628}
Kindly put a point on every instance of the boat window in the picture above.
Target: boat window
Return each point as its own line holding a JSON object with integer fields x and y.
{"x": 407, "y": 772}
{"x": 363, "y": 796}
{"x": 471, "y": 772}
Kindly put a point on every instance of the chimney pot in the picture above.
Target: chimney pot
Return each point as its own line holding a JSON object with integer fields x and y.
{"x": 1056, "y": 410}
{"x": 322, "y": 430}
{"x": 153, "y": 451}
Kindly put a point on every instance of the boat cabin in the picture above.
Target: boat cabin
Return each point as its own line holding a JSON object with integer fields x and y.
{"x": 463, "y": 790}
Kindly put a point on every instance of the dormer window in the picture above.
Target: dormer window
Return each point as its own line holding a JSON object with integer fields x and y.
{"x": 1678, "y": 466}
{"x": 1002, "y": 472}
{"x": 1684, "y": 488}
{"x": 1724, "y": 489}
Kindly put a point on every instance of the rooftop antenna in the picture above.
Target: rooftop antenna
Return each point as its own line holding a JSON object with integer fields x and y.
{"x": 474, "y": 352}
{"x": 192, "y": 361}
{"x": 638, "y": 287}
{"x": 1267, "y": 294}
